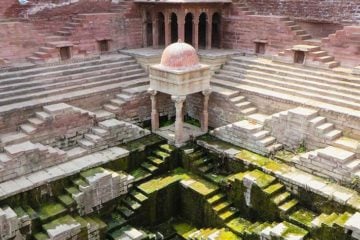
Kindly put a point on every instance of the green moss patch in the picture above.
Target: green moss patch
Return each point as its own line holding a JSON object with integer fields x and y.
{"x": 303, "y": 218}
{"x": 262, "y": 179}
{"x": 252, "y": 158}
{"x": 51, "y": 210}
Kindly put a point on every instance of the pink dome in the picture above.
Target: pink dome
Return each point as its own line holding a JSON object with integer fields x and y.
{"x": 179, "y": 55}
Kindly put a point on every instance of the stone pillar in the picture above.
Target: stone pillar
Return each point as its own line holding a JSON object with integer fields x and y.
{"x": 205, "y": 113}
{"x": 179, "y": 121}
{"x": 196, "y": 31}
{"x": 167, "y": 29}
{"x": 181, "y": 27}
{"x": 144, "y": 21}
{"x": 209, "y": 31}
{"x": 155, "y": 32}
{"x": 154, "y": 110}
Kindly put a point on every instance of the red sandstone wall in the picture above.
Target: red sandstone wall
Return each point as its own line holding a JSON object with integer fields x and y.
{"x": 18, "y": 40}
{"x": 344, "y": 45}
{"x": 336, "y": 11}
{"x": 123, "y": 32}
{"x": 240, "y": 31}
{"x": 11, "y": 8}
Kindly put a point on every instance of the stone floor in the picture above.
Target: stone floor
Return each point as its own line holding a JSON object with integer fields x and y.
{"x": 190, "y": 131}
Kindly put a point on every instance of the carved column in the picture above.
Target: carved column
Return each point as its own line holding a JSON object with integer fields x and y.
{"x": 196, "y": 31}
{"x": 179, "y": 122}
{"x": 144, "y": 20}
{"x": 154, "y": 110}
{"x": 209, "y": 31}
{"x": 155, "y": 32}
{"x": 181, "y": 27}
{"x": 167, "y": 29}
{"x": 205, "y": 113}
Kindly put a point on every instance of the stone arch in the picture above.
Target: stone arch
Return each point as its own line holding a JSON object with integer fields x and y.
{"x": 174, "y": 27}
{"x": 148, "y": 29}
{"x": 202, "y": 30}
{"x": 161, "y": 28}
{"x": 189, "y": 28}
{"x": 216, "y": 30}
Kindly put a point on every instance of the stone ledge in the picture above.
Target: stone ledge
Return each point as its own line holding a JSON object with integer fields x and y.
{"x": 33, "y": 180}
{"x": 293, "y": 176}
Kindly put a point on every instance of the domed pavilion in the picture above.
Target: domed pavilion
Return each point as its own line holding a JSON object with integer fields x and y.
{"x": 179, "y": 74}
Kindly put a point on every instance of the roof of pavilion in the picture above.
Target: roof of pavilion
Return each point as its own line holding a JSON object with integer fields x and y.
{"x": 183, "y": 1}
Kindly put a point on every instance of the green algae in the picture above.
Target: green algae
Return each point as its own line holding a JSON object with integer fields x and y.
{"x": 293, "y": 230}
{"x": 183, "y": 228}
{"x": 238, "y": 225}
{"x": 227, "y": 235}
{"x": 262, "y": 179}
{"x": 65, "y": 220}
{"x": 92, "y": 172}
{"x": 252, "y": 158}
{"x": 303, "y": 217}
{"x": 51, "y": 210}
{"x": 161, "y": 182}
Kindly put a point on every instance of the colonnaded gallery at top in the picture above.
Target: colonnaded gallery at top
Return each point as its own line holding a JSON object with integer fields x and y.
{"x": 179, "y": 119}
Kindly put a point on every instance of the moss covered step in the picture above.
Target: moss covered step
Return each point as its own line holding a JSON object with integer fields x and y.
{"x": 281, "y": 198}
{"x": 115, "y": 221}
{"x": 206, "y": 168}
{"x": 287, "y": 231}
{"x": 303, "y": 218}
{"x": 167, "y": 148}
{"x": 274, "y": 189}
{"x": 125, "y": 211}
{"x": 212, "y": 233}
{"x": 149, "y": 167}
{"x": 331, "y": 227}
{"x": 238, "y": 225}
{"x": 131, "y": 203}
{"x": 289, "y": 206}
{"x": 50, "y": 211}
{"x": 155, "y": 161}
{"x": 161, "y": 154}
{"x": 138, "y": 196}
{"x": 67, "y": 201}
{"x": 64, "y": 223}
{"x": 140, "y": 175}
{"x": 228, "y": 214}
{"x": 184, "y": 229}
{"x": 128, "y": 233}
{"x": 216, "y": 199}
{"x": 221, "y": 206}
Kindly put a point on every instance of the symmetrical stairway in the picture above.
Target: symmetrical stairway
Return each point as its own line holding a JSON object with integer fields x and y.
{"x": 289, "y": 82}
{"x": 29, "y": 87}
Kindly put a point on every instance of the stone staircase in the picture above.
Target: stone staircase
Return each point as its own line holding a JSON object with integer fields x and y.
{"x": 289, "y": 82}
{"x": 335, "y": 156}
{"x": 331, "y": 162}
{"x": 248, "y": 134}
{"x": 29, "y": 87}
{"x": 156, "y": 163}
{"x": 127, "y": 211}
{"x": 209, "y": 234}
{"x": 299, "y": 33}
{"x": 110, "y": 132}
{"x": 115, "y": 105}
{"x": 221, "y": 208}
{"x": 50, "y": 51}
{"x": 314, "y": 56}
